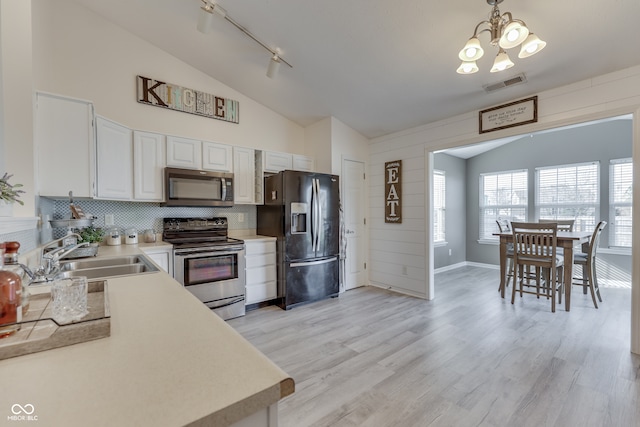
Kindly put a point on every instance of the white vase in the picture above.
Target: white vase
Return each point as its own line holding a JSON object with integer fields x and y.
{"x": 6, "y": 209}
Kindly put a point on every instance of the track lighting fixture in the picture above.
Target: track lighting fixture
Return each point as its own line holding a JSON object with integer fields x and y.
{"x": 274, "y": 66}
{"x": 506, "y": 33}
{"x": 205, "y": 23}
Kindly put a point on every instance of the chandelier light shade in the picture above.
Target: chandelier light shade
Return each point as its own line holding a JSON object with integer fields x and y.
{"x": 506, "y": 33}
{"x": 502, "y": 62}
{"x": 205, "y": 25}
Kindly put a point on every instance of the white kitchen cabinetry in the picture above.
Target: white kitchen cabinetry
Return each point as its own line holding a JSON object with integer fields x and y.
{"x": 194, "y": 154}
{"x": 244, "y": 175}
{"x": 217, "y": 157}
{"x": 114, "y": 155}
{"x": 261, "y": 282}
{"x": 184, "y": 153}
{"x": 148, "y": 161}
{"x": 64, "y": 145}
{"x": 303, "y": 163}
{"x": 163, "y": 256}
{"x": 276, "y": 162}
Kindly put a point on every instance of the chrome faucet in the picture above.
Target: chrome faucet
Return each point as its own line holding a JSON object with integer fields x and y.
{"x": 50, "y": 265}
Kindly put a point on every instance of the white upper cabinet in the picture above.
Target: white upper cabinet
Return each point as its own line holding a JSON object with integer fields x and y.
{"x": 276, "y": 162}
{"x": 184, "y": 153}
{"x": 217, "y": 157}
{"x": 244, "y": 175}
{"x": 64, "y": 146}
{"x": 194, "y": 154}
{"x": 114, "y": 154}
{"x": 303, "y": 163}
{"x": 149, "y": 161}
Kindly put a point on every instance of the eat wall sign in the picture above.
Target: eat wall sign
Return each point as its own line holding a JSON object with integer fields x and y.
{"x": 393, "y": 192}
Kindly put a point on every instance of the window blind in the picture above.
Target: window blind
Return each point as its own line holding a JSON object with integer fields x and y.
{"x": 439, "y": 202}
{"x": 620, "y": 202}
{"x": 502, "y": 194}
{"x": 569, "y": 192}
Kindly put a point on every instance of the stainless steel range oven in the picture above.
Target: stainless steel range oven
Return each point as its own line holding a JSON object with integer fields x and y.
{"x": 208, "y": 263}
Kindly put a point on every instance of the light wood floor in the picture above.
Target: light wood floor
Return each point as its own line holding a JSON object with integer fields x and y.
{"x": 468, "y": 358}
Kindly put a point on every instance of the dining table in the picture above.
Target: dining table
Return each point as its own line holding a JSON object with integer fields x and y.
{"x": 565, "y": 240}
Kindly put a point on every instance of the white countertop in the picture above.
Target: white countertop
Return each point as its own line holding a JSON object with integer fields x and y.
{"x": 169, "y": 361}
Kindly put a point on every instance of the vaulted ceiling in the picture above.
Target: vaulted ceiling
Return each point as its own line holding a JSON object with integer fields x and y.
{"x": 382, "y": 66}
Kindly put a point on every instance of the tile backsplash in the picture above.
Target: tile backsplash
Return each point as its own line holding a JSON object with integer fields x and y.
{"x": 146, "y": 215}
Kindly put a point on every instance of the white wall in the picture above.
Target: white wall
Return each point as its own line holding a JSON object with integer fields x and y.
{"x": 318, "y": 142}
{"x": 346, "y": 143}
{"x": 16, "y": 99}
{"x": 604, "y": 96}
{"x": 79, "y": 54}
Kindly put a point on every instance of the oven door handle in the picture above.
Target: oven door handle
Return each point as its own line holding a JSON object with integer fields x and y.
{"x": 235, "y": 301}
{"x": 223, "y": 251}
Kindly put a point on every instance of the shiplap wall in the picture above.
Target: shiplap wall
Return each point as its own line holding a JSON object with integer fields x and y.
{"x": 394, "y": 245}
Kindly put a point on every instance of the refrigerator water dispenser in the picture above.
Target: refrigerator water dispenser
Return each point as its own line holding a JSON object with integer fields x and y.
{"x": 298, "y": 218}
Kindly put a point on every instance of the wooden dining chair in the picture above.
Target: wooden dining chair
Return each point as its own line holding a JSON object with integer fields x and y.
{"x": 535, "y": 246}
{"x": 504, "y": 225}
{"x": 563, "y": 224}
{"x": 587, "y": 260}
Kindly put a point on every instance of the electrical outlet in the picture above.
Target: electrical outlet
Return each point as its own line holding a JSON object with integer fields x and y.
{"x": 240, "y": 217}
{"x": 108, "y": 219}
{"x": 449, "y": 252}
{"x": 404, "y": 270}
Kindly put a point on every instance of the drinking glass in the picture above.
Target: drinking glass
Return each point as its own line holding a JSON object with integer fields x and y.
{"x": 69, "y": 297}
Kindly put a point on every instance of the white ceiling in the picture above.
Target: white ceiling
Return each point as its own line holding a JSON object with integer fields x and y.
{"x": 382, "y": 66}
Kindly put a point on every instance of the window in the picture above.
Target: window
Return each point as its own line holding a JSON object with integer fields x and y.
{"x": 502, "y": 194}
{"x": 620, "y": 198}
{"x": 569, "y": 192}
{"x": 439, "y": 198}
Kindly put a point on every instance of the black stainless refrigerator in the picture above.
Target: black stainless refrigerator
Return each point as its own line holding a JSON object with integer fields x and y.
{"x": 302, "y": 210}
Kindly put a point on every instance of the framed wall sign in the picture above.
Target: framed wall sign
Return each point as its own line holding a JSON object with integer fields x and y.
{"x": 515, "y": 113}
{"x": 393, "y": 192}
{"x": 178, "y": 98}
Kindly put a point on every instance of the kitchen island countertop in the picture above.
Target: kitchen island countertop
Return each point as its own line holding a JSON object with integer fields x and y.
{"x": 169, "y": 361}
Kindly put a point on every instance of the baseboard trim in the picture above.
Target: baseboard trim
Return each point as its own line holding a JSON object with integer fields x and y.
{"x": 465, "y": 264}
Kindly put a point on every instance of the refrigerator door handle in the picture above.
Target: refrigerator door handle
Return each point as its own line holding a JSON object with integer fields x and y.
{"x": 316, "y": 213}
{"x": 306, "y": 264}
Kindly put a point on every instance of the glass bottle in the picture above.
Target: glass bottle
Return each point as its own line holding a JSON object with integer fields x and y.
{"x": 10, "y": 299}
{"x": 11, "y": 264}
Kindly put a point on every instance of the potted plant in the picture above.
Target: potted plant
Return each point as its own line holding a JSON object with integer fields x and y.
{"x": 9, "y": 194}
{"x": 91, "y": 234}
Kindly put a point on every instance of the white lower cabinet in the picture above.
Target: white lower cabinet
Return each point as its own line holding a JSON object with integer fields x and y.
{"x": 162, "y": 256}
{"x": 260, "y": 270}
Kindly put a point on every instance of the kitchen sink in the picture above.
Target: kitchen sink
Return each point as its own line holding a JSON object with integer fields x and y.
{"x": 101, "y": 268}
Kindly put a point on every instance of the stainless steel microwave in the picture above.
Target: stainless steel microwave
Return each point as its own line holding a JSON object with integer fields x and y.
{"x": 190, "y": 187}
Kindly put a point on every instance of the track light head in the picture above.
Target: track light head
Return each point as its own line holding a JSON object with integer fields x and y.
{"x": 205, "y": 19}
{"x": 274, "y": 66}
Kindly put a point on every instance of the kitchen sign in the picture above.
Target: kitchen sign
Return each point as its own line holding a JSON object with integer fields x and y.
{"x": 167, "y": 95}
{"x": 508, "y": 115}
{"x": 393, "y": 192}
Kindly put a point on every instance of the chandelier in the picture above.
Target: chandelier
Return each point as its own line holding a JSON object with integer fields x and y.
{"x": 506, "y": 33}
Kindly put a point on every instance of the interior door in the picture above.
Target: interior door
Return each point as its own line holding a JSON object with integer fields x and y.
{"x": 353, "y": 185}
